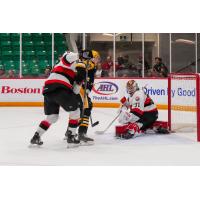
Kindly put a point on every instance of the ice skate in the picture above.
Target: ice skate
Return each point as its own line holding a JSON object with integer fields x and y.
{"x": 36, "y": 140}
{"x": 72, "y": 139}
{"x": 85, "y": 140}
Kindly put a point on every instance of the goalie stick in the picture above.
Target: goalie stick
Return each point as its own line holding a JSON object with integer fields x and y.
{"x": 102, "y": 132}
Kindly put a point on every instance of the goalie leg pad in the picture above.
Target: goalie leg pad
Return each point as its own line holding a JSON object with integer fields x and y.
{"x": 127, "y": 131}
{"x": 161, "y": 127}
{"x": 121, "y": 131}
{"x": 134, "y": 127}
{"x": 162, "y": 124}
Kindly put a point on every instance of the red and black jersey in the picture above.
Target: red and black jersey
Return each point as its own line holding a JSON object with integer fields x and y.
{"x": 139, "y": 103}
{"x": 62, "y": 75}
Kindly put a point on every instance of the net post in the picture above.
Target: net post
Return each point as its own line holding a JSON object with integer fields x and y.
{"x": 198, "y": 106}
{"x": 169, "y": 101}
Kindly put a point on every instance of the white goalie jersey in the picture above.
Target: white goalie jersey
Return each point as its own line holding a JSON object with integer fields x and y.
{"x": 138, "y": 104}
{"x": 141, "y": 102}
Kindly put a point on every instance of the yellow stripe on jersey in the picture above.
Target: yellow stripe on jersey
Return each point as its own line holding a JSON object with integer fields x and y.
{"x": 82, "y": 91}
{"x": 84, "y": 125}
{"x": 84, "y": 64}
{"x": 81, "y": 65}
{"x": 91, "y": 65}
{"x": 85, "y": 119}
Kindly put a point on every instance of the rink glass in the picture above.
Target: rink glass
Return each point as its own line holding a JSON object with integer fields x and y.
{"x": 28, "y": 54}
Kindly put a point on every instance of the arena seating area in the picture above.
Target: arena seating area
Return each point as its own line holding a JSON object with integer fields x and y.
{"x": 36, "y": 51}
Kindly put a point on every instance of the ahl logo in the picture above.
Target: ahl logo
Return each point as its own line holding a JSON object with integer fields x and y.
{"x": 105, "y": 88}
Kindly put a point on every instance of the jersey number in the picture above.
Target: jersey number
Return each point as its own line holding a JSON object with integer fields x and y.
{"x": 137, "y": 105}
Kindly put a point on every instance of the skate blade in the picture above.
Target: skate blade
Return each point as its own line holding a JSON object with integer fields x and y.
{"x": 90, "y": 143}
{"x": 69, "y": 146}
{"x": 34, "y": 146}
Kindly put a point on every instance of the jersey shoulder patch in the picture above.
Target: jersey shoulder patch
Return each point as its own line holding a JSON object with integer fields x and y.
{"x": 138, "y": 95}
{"x": 137, "y": 98}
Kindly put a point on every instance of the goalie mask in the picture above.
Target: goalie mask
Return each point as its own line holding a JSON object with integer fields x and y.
{"x": 131, "y": 87}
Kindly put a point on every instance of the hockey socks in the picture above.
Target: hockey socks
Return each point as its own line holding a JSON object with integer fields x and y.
{"x": 84, "y": 124}
{"x": 43, "y": 127}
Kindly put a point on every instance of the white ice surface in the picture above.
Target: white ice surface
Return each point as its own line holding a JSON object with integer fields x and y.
{"x": 17, "y": 126}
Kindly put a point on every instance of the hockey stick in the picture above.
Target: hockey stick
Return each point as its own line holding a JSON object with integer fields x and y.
{"x": 102, "y": 132}
{"x": 85, "y": 85}
{"x": 93, "y": 124}
{"x": 85, "y": 95}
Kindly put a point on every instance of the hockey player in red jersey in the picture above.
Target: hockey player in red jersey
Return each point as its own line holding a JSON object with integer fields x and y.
{"x": 138, "y": 113}
{"x": 60, "y": 90}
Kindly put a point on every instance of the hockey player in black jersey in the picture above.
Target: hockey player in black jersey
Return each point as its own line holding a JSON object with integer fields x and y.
{"x": 60, "y": 90}
{"x": 84, "y": 99}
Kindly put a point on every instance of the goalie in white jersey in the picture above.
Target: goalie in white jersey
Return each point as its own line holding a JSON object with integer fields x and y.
{"x": 138, "y": 112}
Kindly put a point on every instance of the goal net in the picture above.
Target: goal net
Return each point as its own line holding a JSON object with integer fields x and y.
{"x": 183, "y": 103}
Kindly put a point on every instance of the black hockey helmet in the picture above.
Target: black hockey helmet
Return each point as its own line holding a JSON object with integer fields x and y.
{"x": 85, "y": 54}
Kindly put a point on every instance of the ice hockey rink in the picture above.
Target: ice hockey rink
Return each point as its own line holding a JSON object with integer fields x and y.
{"x": 18, "y": 125}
